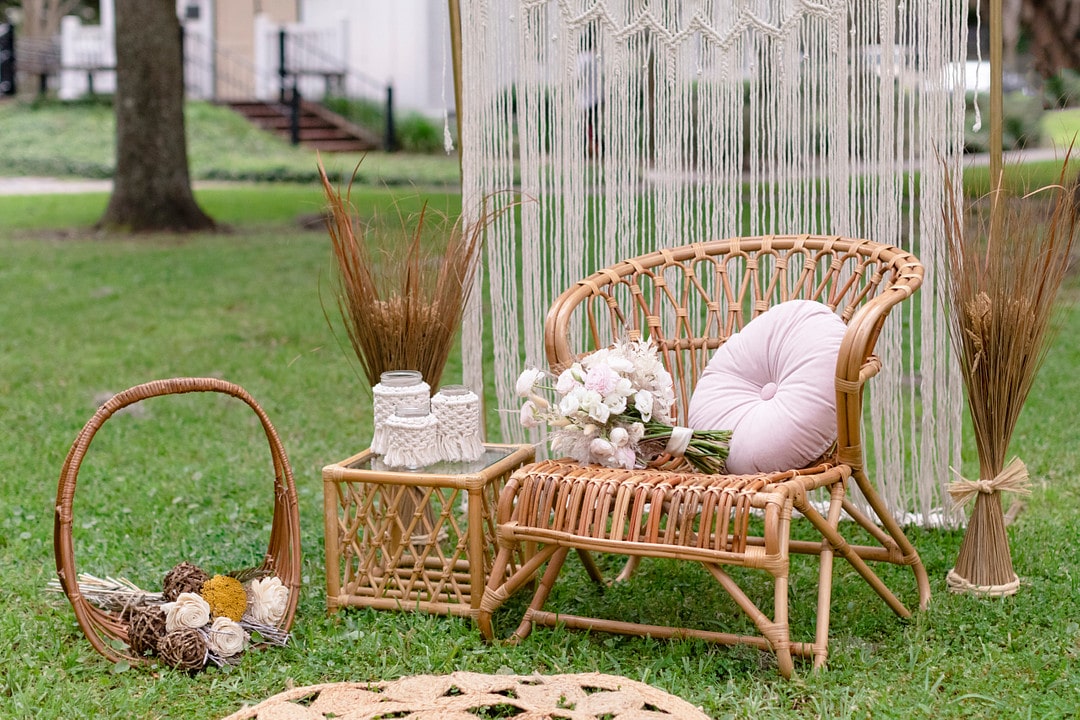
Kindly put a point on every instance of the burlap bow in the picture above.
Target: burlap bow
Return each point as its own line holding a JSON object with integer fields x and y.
{"x": 1013, "y": 478}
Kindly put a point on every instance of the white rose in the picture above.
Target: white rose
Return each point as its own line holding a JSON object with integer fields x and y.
{"x": 226, "y": 638}
{"x": 625, "y": 457}
{"x": 602, "y": 450}
{"x": 567, "y": 381}
{"x": 600, "y": 412}
{"x": 643, "y": 401}
{"x": 528, "y": 415}
{"x": 527, "y": 380}
{"x": 267, "y": 601}
{"x": 189, "y": 611}
{"x": 569, "y": 404}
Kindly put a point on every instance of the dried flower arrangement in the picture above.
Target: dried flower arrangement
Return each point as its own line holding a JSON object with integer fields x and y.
{"x": 1003, "y": 281}
{"x": 401, "y": 307}
{"x": 197, "y": 619}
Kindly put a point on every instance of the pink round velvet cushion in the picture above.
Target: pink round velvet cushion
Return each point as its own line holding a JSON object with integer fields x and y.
{"x": 773, "y": 385}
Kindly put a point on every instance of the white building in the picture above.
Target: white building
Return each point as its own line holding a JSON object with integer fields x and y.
{"x": 233, "y": 50}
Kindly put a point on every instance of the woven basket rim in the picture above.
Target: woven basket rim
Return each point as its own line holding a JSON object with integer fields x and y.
{"x": 283, "y": 552}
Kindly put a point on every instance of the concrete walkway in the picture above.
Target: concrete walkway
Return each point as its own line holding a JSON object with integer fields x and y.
{"x": 60, "y": 186}
{"x": 51, "y": 186}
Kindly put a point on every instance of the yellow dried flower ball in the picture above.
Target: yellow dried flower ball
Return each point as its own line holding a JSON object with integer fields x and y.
{"x": 226, "y": 597}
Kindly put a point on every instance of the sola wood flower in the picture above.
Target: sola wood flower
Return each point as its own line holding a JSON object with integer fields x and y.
{"x": 268, "y": 600}
{"x": 189, "y": 611}
{"x": 226, "y": 638}
{"x": 226, "y": 597}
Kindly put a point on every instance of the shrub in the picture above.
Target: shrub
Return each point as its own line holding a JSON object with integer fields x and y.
{"x": 370, "y": 114}
{"x": 1021, "y": 122}
{"x": 419, "y": 134}
{"x": 1063, "y": 90}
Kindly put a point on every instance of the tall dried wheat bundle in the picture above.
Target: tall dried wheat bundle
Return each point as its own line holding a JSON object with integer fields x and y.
{"x": 402, "y": 305}
{"x": 1005, "y": 269}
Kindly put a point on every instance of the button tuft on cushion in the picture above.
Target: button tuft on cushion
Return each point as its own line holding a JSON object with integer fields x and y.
{"x": 769, "y": 391}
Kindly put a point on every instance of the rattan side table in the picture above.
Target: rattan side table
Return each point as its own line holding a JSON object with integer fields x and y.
{"x": 400, "y": 540}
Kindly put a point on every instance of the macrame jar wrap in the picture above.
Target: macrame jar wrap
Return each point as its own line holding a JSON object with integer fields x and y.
{"x": 395, "y": 389}
{"x": 411, "y": 438}
{"x": 457, "y": 409}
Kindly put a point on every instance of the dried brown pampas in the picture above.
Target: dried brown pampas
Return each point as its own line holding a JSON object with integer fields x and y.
{"x": 403, "y": 311}
{"x": 1005, "y": 269}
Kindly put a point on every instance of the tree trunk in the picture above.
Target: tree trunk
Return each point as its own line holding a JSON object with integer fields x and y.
{"x": 151, "y": 185}
{"x": 1055, "y": 34}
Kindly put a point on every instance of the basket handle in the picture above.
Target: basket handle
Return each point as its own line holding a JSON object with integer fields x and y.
{"x": 283, "y": 553}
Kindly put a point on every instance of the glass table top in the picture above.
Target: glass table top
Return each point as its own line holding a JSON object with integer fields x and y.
{"x": 491, "y": 456}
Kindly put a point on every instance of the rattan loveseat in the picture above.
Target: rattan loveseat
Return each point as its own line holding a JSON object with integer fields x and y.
{"x": 689, "y": 300}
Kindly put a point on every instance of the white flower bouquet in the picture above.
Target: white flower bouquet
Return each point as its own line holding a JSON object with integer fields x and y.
{"x": 614, "y": 409}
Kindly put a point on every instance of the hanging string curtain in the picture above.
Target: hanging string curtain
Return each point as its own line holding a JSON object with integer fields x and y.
{"x": 623, "y": 126}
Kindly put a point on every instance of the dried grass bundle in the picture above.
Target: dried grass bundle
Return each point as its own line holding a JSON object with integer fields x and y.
{"x": 402, "y": 308}
{"x": 1005, "y": 269}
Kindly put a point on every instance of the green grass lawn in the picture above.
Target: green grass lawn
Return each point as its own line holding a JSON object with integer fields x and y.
{"x": 85, "y": 315}
{"x": 55, "y": 139}
{"x": 1061, "y": 127}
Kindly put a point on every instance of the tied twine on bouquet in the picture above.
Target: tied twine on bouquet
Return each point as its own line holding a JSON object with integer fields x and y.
{"x": 614, "y": 409}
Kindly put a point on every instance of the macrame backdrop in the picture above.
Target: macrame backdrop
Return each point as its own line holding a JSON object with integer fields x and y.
{"x": 623, "y": 126}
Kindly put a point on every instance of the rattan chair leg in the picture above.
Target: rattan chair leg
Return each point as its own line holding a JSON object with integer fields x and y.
{"x": 775, "y": 631}
{"x": 591, "y": 568}
{"x": 889, "y": 523}
{"x": 841, "y": 545}
{"x": 497, "y": 592}
{"x": 889, "y": 550}
{"x": 542, "y": 591}
{"x": 628, "y": 569}
{"x": 825, "y": 572}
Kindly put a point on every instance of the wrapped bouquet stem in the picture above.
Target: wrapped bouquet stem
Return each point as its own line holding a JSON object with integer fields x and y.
{"x": 613, "y": 408}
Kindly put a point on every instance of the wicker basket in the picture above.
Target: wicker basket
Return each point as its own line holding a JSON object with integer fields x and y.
{"x": 282, "y": 557}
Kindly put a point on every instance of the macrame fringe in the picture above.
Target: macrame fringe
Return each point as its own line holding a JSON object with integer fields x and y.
{"x": 631, "y": 126}
{"x": 458, "y": 426}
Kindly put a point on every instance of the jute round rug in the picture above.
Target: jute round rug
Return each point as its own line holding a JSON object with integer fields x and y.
{"x": 469, "y": 696}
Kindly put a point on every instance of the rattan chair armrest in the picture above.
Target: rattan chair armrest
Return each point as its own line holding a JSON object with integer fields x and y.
{"x": 856, "y": 364}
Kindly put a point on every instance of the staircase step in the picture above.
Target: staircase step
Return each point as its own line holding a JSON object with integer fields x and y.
{"x": 319, "y": 128}
{"x": 324, "y": 133}
{"x": 285, "y": 123}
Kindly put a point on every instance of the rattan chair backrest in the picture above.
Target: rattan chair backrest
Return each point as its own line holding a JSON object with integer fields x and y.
{"x": 690, "y": 299}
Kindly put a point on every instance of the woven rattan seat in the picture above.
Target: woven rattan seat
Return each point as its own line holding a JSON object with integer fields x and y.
{"x": 689, "y": 300}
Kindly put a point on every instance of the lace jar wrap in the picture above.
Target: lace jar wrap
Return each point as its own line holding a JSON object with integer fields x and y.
{"x": 458, "y": 411}
{"x": 411, "y": 438}
{"x": 395, "y": 389}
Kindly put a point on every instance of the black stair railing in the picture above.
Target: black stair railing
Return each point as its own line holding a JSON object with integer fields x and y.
{"x": 300, "y": 58}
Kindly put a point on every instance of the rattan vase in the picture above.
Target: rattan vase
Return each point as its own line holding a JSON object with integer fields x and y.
{"x": 282, "y": 557}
